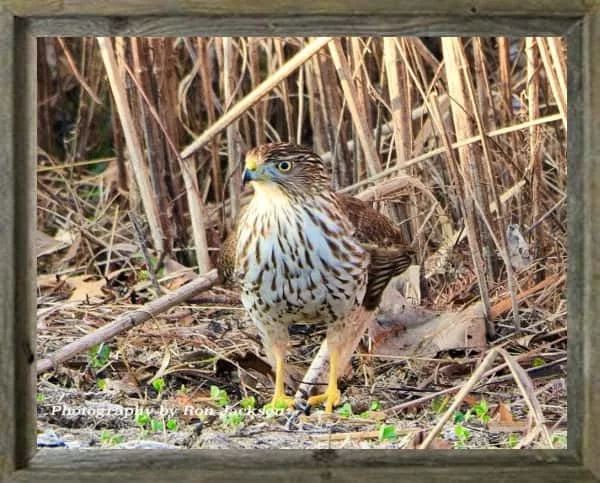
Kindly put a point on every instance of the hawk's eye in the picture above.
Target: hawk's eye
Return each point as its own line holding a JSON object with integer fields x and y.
{"x": 284, "y": 166}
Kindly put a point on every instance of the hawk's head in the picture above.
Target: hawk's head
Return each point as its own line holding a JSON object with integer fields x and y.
{"x": 284, "y": 168}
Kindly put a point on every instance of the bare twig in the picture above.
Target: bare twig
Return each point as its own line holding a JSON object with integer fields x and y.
{"x": 257, "y": 94}
{"x": 128, "y": 321}
{"x": 133, "y": 143}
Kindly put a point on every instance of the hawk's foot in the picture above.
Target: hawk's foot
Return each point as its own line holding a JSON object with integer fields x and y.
{"x": 331, "y": 397}
{"x": 281, "y": 401}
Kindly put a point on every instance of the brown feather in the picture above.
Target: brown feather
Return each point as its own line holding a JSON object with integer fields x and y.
{"x": 371, "y": 226}
{"x": 384, "y": 242}
{"x": 226, "y": 260}
{"x": 385, "y": 264}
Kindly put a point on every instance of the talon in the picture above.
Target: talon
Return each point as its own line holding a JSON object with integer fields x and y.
{"x": 302, "y": 405}
{"x": 331, "y": 398}
{"x": 280, "y": 400}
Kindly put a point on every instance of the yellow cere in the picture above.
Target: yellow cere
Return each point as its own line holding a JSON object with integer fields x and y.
{"x": 251, "y": 162}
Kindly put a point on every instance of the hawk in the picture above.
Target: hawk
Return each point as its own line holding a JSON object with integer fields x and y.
{"x": 305, "y": 254}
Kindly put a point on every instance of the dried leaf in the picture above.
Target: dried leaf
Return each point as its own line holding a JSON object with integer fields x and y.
{"x": 85, "y": 287}
{"x": 504, "y": 414}
{"x": 46, "y": 245}
{"x": 47, "y": 281}
{"x": 507, "y": 427}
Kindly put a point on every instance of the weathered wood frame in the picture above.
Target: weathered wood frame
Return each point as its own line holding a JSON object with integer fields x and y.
{"x": 22, "y": 20}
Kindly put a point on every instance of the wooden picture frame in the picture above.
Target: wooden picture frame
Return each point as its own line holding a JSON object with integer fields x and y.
{"x": 22, "y": 20}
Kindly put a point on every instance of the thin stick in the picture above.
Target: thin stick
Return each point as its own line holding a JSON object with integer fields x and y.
{"x": 466, "y": 388}
{"x": 128, "y": 321}
{"x": 190, "y": 180}
{"x": 555, "y": 85}
{"x": 117, "y": 84}
{"x": 402, "y": 134}
{"x": 257, "y": 94}
{"x": 351, "y": 97}
{"x": 503, "y": 246}
{"x": 458, "y": 144}
{"x": 76, "y": 72}
{"x": 232, "y": 131}
{"x": 137, "y": 229}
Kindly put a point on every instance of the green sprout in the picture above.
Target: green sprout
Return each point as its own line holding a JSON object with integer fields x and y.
{"x": 462, "y": 435}
{"x": 375, "y": 405}
{"x": 219, "y": 396}
{"x": 233, "y": 419}
{"x": 481, "y": 411}
{"x": 559, "y": 441}
{"x": 345, "y": 410}
{"x": 98, "y": 355}
{"x": 387, "y": 432}
{"x": 275, "y": 408}
{"x": 513, "y": 440}
{"x": 157, "y": 426}
{"x": 142, "y": 419}
{"x": 108, "y": 438}
{"x": 158, "y": 385}
{"x": 248, "y": 402}
{"x": 439, "y": 404}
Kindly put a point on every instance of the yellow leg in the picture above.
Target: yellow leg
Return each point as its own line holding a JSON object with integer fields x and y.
{"x": 331, "y": 396}
{"x": 279, "y": 395}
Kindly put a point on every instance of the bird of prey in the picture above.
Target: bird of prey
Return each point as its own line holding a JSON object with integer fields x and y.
{"x": 305, "y": 254}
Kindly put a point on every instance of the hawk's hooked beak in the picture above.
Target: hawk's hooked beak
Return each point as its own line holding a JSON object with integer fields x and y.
{"x": 249, "y": 175}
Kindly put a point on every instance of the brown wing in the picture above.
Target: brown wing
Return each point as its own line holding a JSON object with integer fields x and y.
{"x": 226, "y": 260}
{"x": 390, "y": 256}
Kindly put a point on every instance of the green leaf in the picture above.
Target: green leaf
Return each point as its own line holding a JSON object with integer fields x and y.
{"x": 345, "y": 410}
{"x": 157, "y": 426}
{"x": 248, "y": 403}
{"x": 481, "y": 410}
{"x": 172, "y": 424}
{"x": 108, "y": 438}
{"x": 459, "y": 417}
{"x": 233, "y": 419}
{"x": 142, "y": 419}
{"x": 439, "y": 404}
{"x": 158, "y": 384}
{"x": 462, "y": 433}
{"x": 538, "y": 361}
{"x": 387, "y": 432}
{"x": 219, "y": 396}
{"x": 559, "y": 441}
{"x": 101, "y": 383}
{"x": 98, "y": 355}
{"x": 513, "y": 440}
{"x": 375, "y": 406}
{"x": 280, "y": 404}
